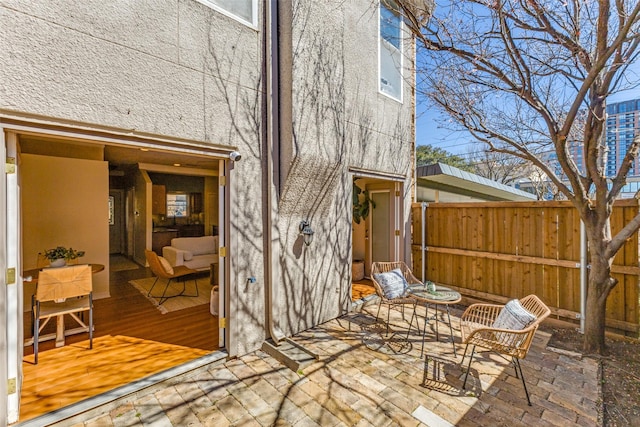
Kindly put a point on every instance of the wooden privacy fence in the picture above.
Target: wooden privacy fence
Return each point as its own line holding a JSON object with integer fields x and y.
{"x": 501, "y": 250}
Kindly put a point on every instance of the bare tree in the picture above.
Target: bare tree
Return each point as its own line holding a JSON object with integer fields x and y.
{"x": 499, "y": 167}
{"x": 516, "y": 71}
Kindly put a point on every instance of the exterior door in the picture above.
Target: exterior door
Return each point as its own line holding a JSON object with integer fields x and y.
{"x": 11, "y": 277}
{"x": 381, "y": 227}
{"x": 223, "y": 206}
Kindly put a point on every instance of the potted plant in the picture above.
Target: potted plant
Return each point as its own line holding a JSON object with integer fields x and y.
{"x": 60, "y": 255}
{"x": 361, "y": 205}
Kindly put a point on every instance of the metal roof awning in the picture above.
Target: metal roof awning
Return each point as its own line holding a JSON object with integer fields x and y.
{"x": 443, "y": 183}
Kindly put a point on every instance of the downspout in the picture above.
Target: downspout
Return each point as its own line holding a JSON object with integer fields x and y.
{"x": 583, "y": 275}
{"x": 272, "y": 171}
{"x": 423, "y": 245}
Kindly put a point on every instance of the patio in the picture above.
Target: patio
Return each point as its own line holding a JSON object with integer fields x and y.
{"x": 362, "y": 378}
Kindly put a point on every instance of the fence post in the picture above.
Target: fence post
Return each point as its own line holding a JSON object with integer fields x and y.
{"x": 583, "y": 274}
{"x": 423, "y": 247}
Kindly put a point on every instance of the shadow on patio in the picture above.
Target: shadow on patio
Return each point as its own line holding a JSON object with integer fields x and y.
{"x": 365, "y": 378}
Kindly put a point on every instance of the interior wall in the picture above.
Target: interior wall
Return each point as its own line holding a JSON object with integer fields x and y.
{"x": 359, "y": 239}
{"x": 210, "y": 204}
{"x": 142, "y": 223}
{"x": 65, "y": 203}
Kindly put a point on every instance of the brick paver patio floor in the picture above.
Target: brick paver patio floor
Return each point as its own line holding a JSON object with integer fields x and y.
{"x": 364, "y": 378}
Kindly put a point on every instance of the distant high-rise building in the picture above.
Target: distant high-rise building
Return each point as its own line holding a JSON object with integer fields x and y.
{"x": 623, "y": 120}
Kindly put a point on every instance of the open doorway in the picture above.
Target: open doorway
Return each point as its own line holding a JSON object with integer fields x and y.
{"x": 98, "y": 198}
{"x": 375, "y": 230}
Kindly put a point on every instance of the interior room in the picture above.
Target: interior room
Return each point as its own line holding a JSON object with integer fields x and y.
{"x": 374, "y": 216}
{"x": 113, "y": 203}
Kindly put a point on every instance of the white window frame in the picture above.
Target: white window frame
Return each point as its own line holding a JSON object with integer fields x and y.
{"x": 254, "y": 12}
{"x": 401, "y": 51}
{"x": 171, "y": 205}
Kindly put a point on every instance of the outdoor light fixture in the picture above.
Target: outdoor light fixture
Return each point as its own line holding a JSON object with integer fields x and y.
{"x": 307, "y": 232}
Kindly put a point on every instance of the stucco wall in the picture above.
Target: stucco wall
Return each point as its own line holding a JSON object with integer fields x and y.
{"x": 340, "y": 120}
{"x": 167, "y": 68}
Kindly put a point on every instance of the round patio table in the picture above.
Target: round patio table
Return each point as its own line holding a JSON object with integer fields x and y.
{"x": 441, "y": 296}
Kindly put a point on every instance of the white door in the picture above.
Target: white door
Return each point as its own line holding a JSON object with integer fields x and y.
{"x": 381, "y": 227}
{"x": 11, "y": 276}
{"x": 223, "y": 191}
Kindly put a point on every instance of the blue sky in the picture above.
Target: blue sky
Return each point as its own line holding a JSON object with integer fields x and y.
{"x": 430, "y": 128}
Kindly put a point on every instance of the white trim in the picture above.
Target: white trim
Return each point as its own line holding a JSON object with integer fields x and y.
{"x": 379, "y": 39}
{"x": 113, "y": 136}
{"x": 254, "y": 10}
{"x": 14, "y": 293}
{"x": 176, "y": 170}
{"x": 224, "y": 201}
{"x": 366, "y": 173}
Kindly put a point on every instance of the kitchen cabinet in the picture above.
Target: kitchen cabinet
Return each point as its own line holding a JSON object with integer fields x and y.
{"x": 160, "y": 239}
{"x": 158, "y": 200}
{"x": 191, "y": 230}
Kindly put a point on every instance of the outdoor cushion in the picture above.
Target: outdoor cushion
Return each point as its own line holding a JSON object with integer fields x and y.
{"x": 513, "y": 316}
{"x": 165, "y": 264}
{"x": 393, "y": 283}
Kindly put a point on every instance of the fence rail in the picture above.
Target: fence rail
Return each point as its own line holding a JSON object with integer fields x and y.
{"x": 503, "y": 250}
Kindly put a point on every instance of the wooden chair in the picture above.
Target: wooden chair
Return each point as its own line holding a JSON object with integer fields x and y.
{"x": 160, "y": 272}
{"x": 385, "y": 267}
{"x": 60, "y": 291}
{"x": 476, "y": 325}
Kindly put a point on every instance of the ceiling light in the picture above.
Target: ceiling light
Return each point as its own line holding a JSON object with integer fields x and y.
{"x": 177, "y": 164}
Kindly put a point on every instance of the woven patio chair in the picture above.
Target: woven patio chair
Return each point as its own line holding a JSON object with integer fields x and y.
{"x": 379, "y": 268}
{"x": 480, "y": 326}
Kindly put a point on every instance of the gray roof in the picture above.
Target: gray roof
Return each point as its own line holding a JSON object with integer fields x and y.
{"x": 455, "y": 185}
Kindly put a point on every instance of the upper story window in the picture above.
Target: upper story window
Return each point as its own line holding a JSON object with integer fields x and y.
{"x": 245, "y": 11}
{"x": 390, "y": 51}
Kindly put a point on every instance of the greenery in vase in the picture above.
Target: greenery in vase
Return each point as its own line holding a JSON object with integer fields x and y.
{"x": 62, "y": 253}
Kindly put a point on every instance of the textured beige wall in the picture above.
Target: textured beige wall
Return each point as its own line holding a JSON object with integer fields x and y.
{"x": 59, "y": 209}
{"x": 165, "y": 67}
{"x": 340, "y": 121}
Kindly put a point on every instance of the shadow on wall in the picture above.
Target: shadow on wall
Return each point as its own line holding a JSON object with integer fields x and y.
{"x": 333, "y": 128}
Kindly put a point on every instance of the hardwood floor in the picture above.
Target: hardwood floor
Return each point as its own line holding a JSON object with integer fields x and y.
{"x": 361, "y": 289}
{"x": 132, "y": 340}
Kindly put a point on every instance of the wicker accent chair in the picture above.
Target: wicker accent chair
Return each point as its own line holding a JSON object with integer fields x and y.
{"x": 385, "y": 267}
{"x": 476, "y": 325}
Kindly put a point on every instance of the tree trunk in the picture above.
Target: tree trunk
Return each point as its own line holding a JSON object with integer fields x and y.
{"x": 594, "y": 321}
{"x": 599, "y": 286}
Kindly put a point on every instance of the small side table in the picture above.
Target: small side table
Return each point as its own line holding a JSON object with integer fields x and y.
{"x": 213, "y": 273}
{"x": 442, "y": 296}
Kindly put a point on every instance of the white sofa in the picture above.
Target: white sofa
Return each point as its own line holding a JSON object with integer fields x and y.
{"x": 197, "y": 253}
